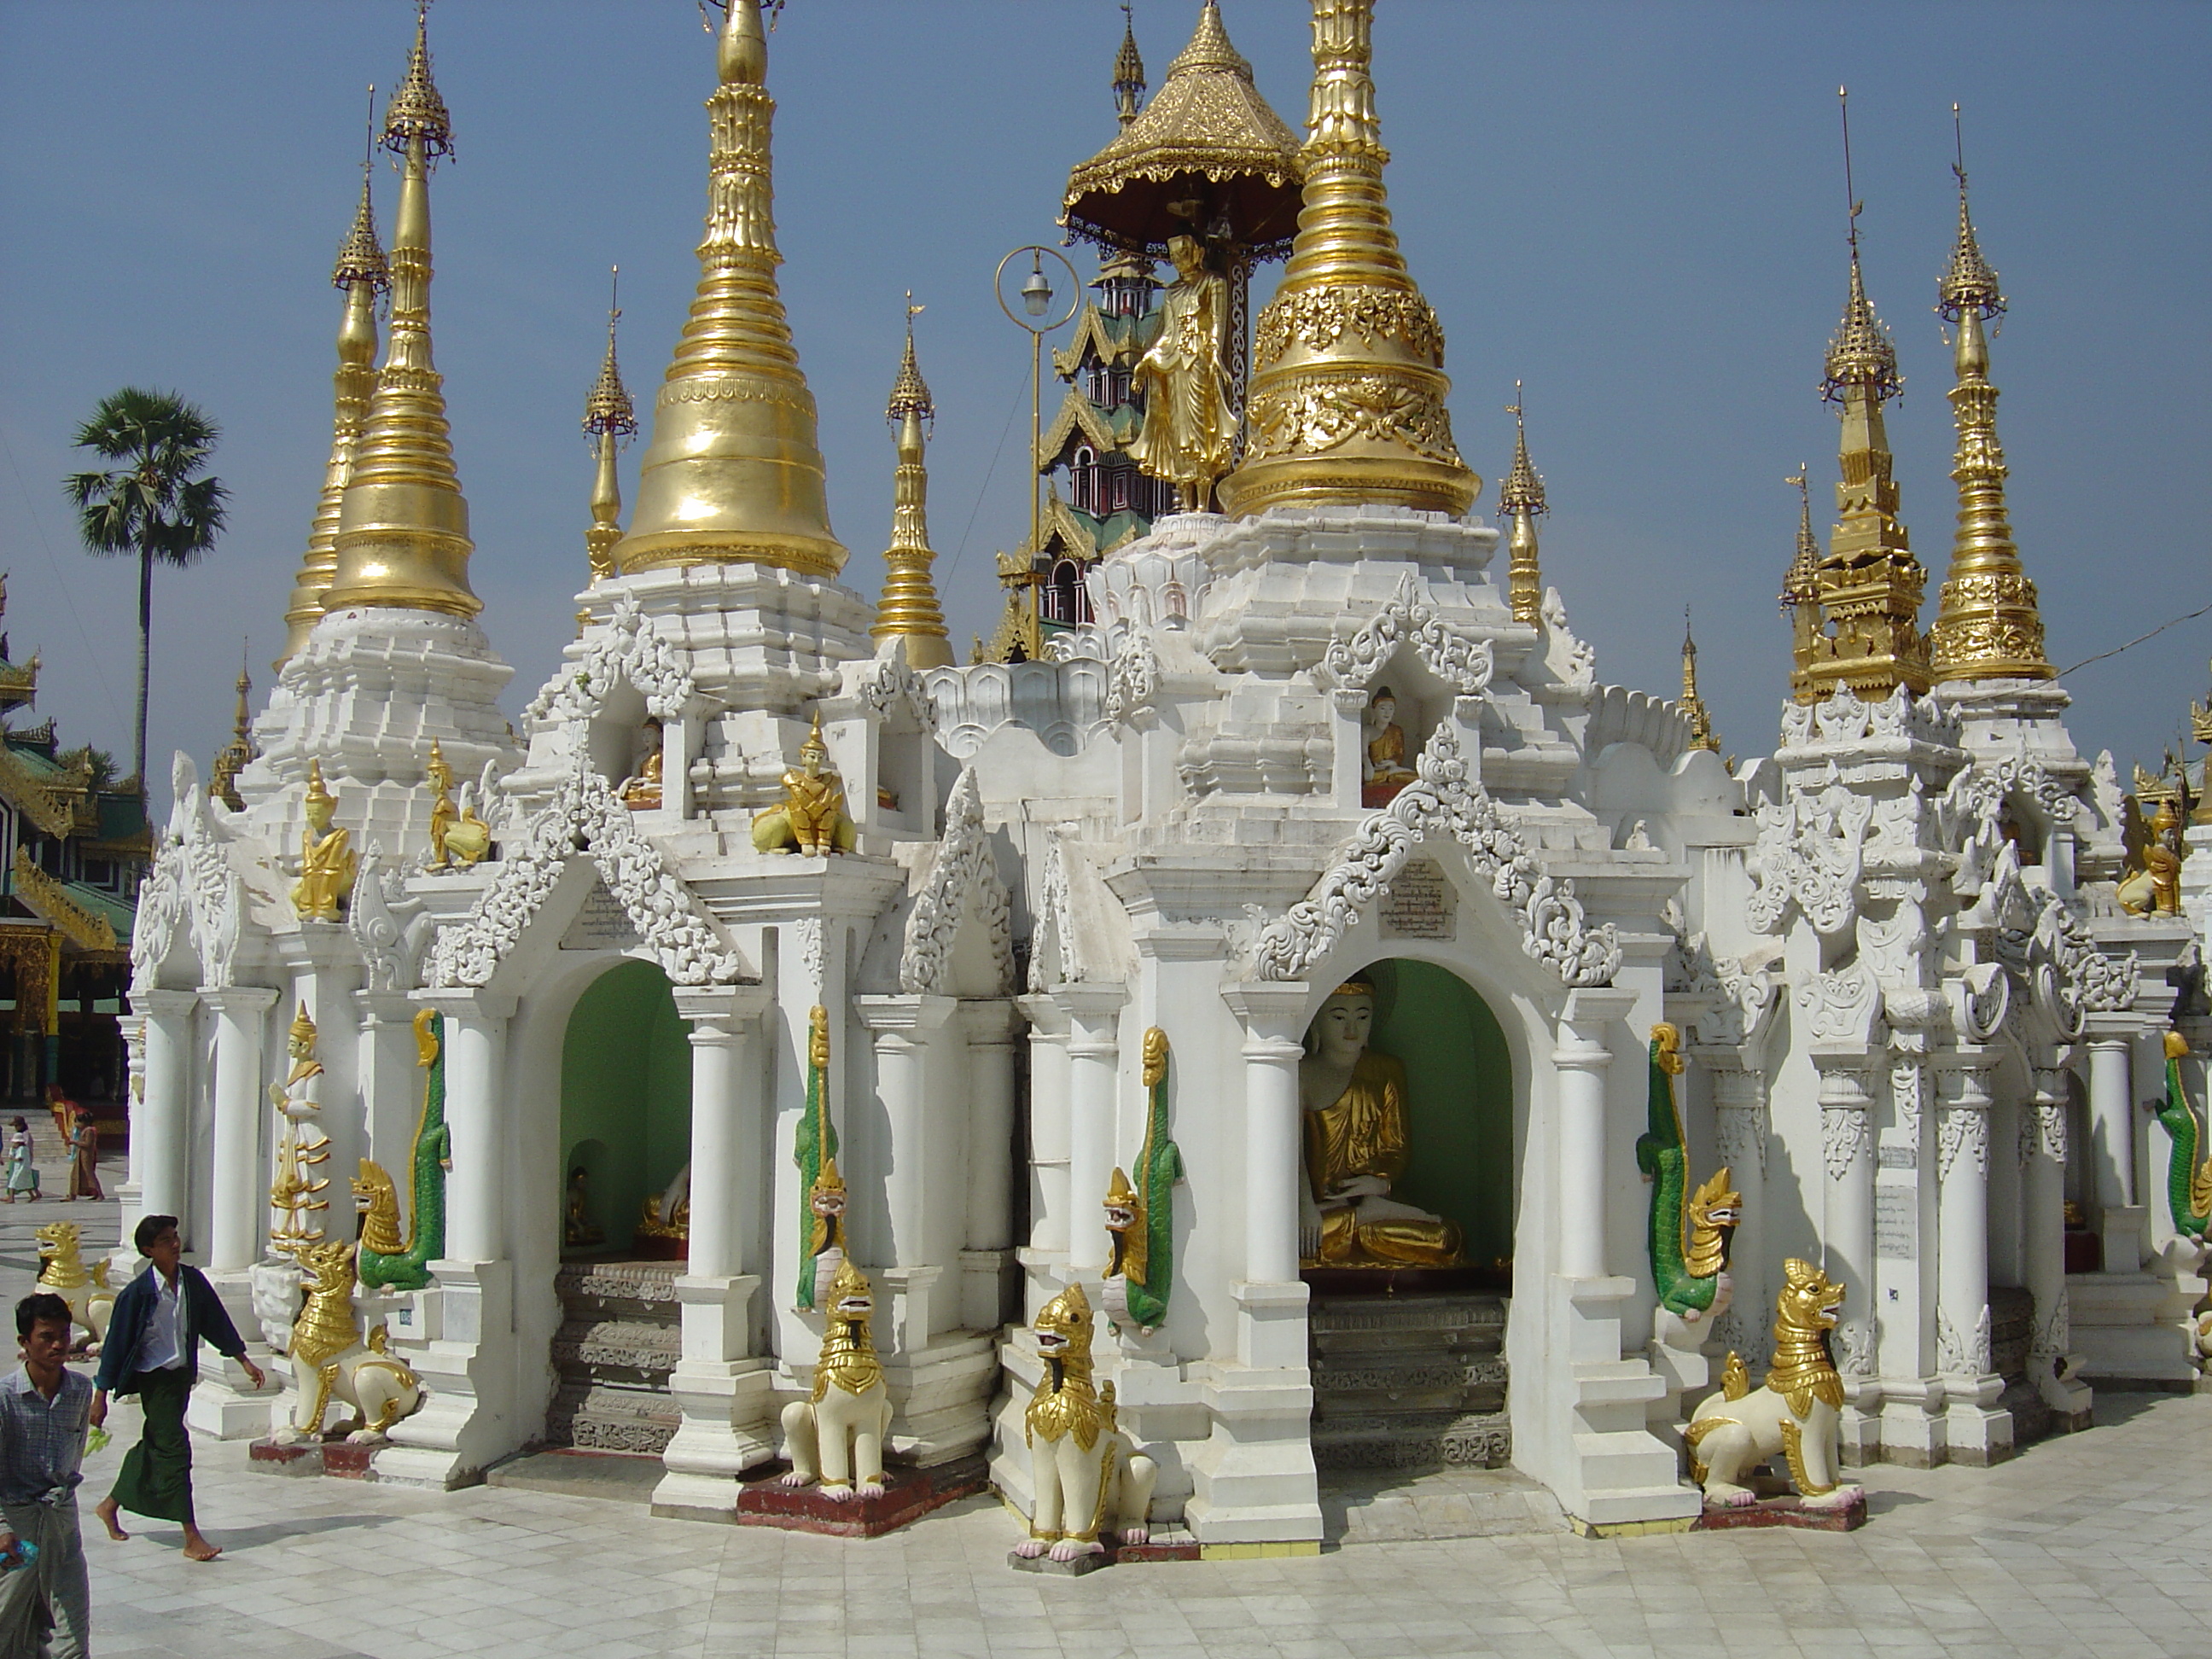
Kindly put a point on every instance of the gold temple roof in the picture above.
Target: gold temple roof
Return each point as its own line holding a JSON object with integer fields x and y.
{"x": 1206, "y": 122}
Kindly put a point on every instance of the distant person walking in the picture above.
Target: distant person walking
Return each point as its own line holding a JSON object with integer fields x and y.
{"x": 22, "y": 1174}
{"x": 45, "y": 1603}
{"x": 84, "y": 1155}
{"x": 153, "y": 1348}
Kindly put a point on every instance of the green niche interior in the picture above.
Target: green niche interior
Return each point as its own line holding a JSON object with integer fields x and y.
{"x": 625, "y": 1096}
{"x": 1459, "y": 1083}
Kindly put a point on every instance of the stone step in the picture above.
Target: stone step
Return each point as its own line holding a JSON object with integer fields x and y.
{"x": 1377, "y": 1508}
{"x": 634, "y": 1352}
{"x": 1414, "y": 1440}
{"x": 604, "y": 1417}
{"x": 640, "y": 1290}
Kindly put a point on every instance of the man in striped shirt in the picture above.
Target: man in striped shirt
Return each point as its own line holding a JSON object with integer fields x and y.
{"x": 45, "y": 1603}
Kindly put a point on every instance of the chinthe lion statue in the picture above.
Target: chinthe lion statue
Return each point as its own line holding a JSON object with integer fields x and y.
{"x": 1085, "y": 1470}
{"x": 837, "y": 1435}
{"x": 331, "y": 1361}
{"x": 62, "y": 1270}
{"x": 1797, "y": 1415}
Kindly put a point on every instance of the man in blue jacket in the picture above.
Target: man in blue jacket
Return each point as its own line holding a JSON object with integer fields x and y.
{"x": 152, "y": 1351}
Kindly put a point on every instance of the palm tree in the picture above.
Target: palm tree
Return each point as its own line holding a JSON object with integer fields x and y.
{"x": 155, "y": 505}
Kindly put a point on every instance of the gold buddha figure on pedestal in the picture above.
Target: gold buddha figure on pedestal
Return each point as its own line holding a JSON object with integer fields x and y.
{"x": 1354, "y": 1117}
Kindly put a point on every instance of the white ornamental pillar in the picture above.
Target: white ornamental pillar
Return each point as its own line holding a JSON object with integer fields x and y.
{"x": 989, "y": 1237}
{"x": 475, "y": 1117}
{"x": 1976, "y": 1432}
{"x": 1094, "y": 1055}
{"x": 2043, "y": 1148}
{"x": 1739, "y": 1142}
{"x": 1847, "y": 1227}
{"x": 901, "y": 1026}
{"x": 726, "y": 1128}
{"x": 1048, "y": 1149}
{"x": 1582, "y": 1058}
{"x": 2111, "y": 1123}
{"x": 1274, "y": 1014}
{"x": 240, "y": 1186}
{"x": 161, "y": 1111}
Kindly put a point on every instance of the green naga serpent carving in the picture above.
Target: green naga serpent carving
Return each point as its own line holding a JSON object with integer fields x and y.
{"x": 814, "y": 1149}
{"x": 1689, "y": 1241}
{"x": 2188, "y": 1183}
{"x": 1139, "y": 1220}
{"x": 387, "y": 1259}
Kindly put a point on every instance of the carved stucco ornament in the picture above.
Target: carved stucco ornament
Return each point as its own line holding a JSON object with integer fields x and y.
{"x": 963, "y": 879}
{"x": 630, "y": 650}
{"x": 1462, "y": 661}
{"x": 586, "y": 815}
{"x": 1443, "y": 802}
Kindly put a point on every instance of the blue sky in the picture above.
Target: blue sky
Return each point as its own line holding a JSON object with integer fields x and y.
{"x": 1637, "y": 209}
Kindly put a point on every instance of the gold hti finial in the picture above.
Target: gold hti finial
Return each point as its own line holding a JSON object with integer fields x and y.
{"x": 908, "y": 610}
{"x": 1521, "y": 498}
{"x": 1867, "y": 634}
{"x": 1801, "y": 582}
{"x": 1692, "y": 705}
{"x": 1343, "y": 415}
{"x": 1128, "y": 71}
{"x": 362, "y": 273}
{"x": 734, "y": 473}
{"x": 609, "y": 417}
{"x": 403, "y": 535}
{"x": 1987, "y": 625}
{"x": 240, "y": 752}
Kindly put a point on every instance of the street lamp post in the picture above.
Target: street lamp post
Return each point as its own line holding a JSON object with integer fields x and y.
{"x": 1037, "y": 298}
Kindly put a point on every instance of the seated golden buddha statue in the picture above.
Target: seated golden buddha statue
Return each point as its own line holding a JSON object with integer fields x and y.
{"x": 812, "y": 818}
{"x": 1354, "y": 1102}
{"x": 326, "y": 858}
{"x": 642, "y": 792}
{"x": 1385, "y": 771}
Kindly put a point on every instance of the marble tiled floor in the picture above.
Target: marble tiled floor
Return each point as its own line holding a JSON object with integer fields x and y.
{"x": 2099, "y": 1544}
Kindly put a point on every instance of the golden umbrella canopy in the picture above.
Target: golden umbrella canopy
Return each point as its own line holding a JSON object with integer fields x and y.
{"x": 1205, "y": 157}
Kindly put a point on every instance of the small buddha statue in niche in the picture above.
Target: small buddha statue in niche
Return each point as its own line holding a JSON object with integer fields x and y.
{"x": 643, "y": 791}
{"x": 326, "y": 858}
{"x": 1384, "y": 771}
{"x": 1354, "y": 1118}
{"x": 577, "y": 1230}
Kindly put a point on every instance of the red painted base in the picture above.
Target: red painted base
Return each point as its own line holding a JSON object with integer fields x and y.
{"x": 908, "y": 1495}
{"x": 348, "y": 1461}
{"x": 267, "y": 1458}
{"x": 647, "y": 1247}
{"x": 1784, "y": 1512}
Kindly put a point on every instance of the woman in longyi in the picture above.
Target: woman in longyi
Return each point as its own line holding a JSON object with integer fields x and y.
{"x": 1355, "y": 1150}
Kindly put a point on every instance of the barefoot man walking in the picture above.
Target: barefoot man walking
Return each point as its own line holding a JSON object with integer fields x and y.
{"x": 44, "y": 1598}
{"x": 153, "y": 1350}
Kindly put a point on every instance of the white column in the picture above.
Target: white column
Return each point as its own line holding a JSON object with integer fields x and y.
{"x": 1275, "y": 1019}
{"x": 1739, "y": 1141}
{"x": 722, "y": 1390}
{"x": 2043, "y": 1143}
{"x": 1975, "y": 1430}
{"x": 901, "y": 1026}
{"x": 1094, "y": 1054}
{"x": 2111, "y": 1123}
{"x": 1847, "y": 1241}
{"x": 241, "y": 1177}
{"x": 475, "y": 1117}
{"x": 988, "y": 1235}
{"x": 160, "y": 1112}
{"x": 1583, "y": 1058}
{"x": 1049, "y": 1149}
{"x": 392, "y": 1078}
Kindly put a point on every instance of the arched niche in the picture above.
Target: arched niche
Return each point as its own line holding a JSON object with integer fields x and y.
{"x": 625, "y": 1096}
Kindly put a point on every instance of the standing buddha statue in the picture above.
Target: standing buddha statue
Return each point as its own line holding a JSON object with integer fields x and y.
{"x": 1354, "y": 1102}
{"x": 1188, "y": 437}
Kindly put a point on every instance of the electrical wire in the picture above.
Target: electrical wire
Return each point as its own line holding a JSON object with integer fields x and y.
{"x": 2135, "y": 642}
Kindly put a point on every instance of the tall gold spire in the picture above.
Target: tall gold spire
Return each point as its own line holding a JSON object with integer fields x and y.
{"x": 403, "y": 526}
{"x": 361, "y": 274}
{"x": 1869, "y": 583}
{"x": 609, "y": 417}
{"x": 1692, "y": 705}
{"x": 1521, "y": 498}
{"x": 240, "y": 752}
{"x": 1129, "y": 70}
{"x": 1801, "y": 583}
{"x": 908, "y": 609}
{"x": 1347, "y": 404}
{"x": 733, "y": 472}
{"x": 1987, "y": 626}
